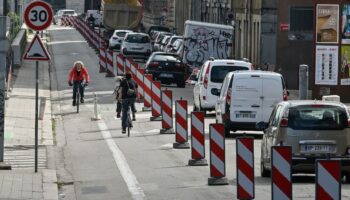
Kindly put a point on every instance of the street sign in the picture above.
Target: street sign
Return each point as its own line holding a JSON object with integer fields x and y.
{"x": 38, "y": 15}
{"x": 36, "y": 50}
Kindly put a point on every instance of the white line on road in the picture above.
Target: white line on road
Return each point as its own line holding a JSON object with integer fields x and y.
{"x": 123, "y": 166}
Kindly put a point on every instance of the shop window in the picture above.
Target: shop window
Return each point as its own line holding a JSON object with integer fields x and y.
{"x": 301, "y": 23}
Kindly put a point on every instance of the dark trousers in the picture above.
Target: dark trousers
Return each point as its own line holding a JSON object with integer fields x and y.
{"x": 125, "y": 106}
{"x": 76, "y": 85}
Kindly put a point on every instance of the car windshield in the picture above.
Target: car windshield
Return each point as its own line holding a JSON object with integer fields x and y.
{"x": 218, "y": 72}
{"x": 68, "y": 12}
{"x": 168, "y": 58}
{"x": 120, "y": 34}
{"x": 317, "y": 117}
{"x": 137, "y": 39}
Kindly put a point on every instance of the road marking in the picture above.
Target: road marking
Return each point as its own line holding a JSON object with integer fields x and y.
{"x": 122, "y": 164}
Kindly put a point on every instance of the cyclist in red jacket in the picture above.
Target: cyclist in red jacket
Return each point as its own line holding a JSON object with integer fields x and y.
{"x": 78, "y": 78}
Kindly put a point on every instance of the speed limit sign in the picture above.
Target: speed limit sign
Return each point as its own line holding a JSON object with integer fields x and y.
{"x": 38, "y": 15}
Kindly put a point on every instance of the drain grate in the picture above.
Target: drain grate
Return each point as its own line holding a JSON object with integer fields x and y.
{"x": 94, "y": 190}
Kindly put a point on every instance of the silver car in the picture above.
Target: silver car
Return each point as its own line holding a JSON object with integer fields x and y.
{"x": 314, "y": 130}
{"x": 136, "y": 45}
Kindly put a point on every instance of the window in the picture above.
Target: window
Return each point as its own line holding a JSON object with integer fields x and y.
{"x": 317, "y": 117}
{"x": 301, "y": 19}
{"x": 218, "y": 73}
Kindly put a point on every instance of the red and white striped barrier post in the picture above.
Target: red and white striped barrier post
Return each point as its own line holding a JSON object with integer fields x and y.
{"x": 147, "y": 83}
{"x": 328, "y": 179}
{"x": 140, "y": 75}
{"x": 281, "y": 172}
{"x": 120, "y": 64}
{"x": 109, "y": 69}
{"x": 245, "y": 168}
{"x": 167, "y": 112}
{"x": 197, "y": 140}
{"x": 128, "y": 64}
{"x": 103, "y": 59}
{"x": 156, "y": 101}
{"x": 181, "y": 125}
{"x": 217, "y": 155}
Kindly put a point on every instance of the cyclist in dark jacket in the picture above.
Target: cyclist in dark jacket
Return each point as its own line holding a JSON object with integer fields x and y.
{"x": 129, "y": 95}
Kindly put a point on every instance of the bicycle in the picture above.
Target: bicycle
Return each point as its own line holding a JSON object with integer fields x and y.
{"x": 77, "y": 98}
{"x": 129, "y": 121}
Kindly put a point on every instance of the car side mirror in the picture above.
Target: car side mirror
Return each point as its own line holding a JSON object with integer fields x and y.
{"x": 215, "y": 91}
{"x": 261, "y": 126}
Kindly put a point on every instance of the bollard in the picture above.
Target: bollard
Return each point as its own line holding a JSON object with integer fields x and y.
{"x": 181, "y": 130}
{"x": 167, "y": 112}
{"x": 96, "y": 111}
{"x": 109, "y": 69}
{"x": 303, "y": 81}
{"x": 328, "y": 179}
{"x": 139, "y": 79}
{"x": 156, "y": 101}
{"x": 281, "y": 172}
{"x": 147, "y": 83}
{"x": 120, "y": 64}
{"x": 103, "y": 59}
{"x": 197, "y": 140}
{"x": 217, "y": 155}
{"x": 245, "y": 168}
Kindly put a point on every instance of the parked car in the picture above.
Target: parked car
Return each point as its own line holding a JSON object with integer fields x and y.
{"x": 117, "y": 38}
{"x": 168, "y": 68}
{"x": 158, "y": 28}
{"x": 177, "y": 47}
{"x": 164, "y": 42}
{"x": 314, "y": 129}
{"x": 157, "y": 41}
{"x": 211, "y": 75}
{"x": 168, "y": 47}
{"x": 248, "y": 97}
{"x": 136, "y": 44}
{"x": 97, "y": 16}
{"x": 64, "y": 12}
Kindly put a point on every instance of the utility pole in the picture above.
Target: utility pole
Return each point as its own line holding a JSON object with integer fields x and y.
{"x": 3, "y": 52}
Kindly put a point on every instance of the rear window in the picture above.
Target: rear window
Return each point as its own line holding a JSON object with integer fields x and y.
{"x": 137, "y": 39}
{"x": 68, "y": 12}
{"x": 120, "y": 34}
{"x": 321, "y": 117}
{"x": 218, "y": 73}
{"x": 164, "y": 58}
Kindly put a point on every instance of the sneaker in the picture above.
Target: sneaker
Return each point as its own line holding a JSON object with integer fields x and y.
{"x": 118, "y": 115}
{"x": 133, "y": 117}
{"x": 123, "y": 130}
{"x": 82, "y": 100}
{"x": 74, "y": 103}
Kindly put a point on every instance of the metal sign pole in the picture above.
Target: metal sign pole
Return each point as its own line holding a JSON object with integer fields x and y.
{"x": 36, "y": 110}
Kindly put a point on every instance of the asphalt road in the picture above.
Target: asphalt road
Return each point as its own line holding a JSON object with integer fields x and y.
{"x": 95, "y": 161}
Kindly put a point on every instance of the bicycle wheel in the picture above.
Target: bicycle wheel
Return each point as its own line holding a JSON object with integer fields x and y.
{"x": 129, "y": 124}
{"x": 77, "y": 100}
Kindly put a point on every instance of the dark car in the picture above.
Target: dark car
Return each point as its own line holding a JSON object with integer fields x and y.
{"x": 167, "y": 67}
{"x": 158, "y": 28}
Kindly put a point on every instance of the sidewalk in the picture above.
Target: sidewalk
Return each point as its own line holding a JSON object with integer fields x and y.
{"x": 21, "y": 182}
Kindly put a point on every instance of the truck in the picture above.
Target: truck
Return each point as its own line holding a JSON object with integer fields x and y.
{"x": 121, "y": 14}
{"x": 206, "y": 40}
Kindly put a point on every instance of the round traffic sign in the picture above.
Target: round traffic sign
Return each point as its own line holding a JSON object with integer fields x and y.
{"x": 38, "y": 15}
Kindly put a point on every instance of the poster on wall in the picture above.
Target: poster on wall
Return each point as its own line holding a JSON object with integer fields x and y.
{"x": 345, "y": 28}
{"x": 345, "y": 66}
{"x": 327, "y": 23}
{"x": 326, "y": 65}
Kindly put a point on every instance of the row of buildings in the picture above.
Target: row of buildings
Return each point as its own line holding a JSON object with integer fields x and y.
{"x": 274, "y": 33}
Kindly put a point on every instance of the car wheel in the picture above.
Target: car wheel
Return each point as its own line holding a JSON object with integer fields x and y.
{"x": 181, "y": 84}
{"x": 263, "y": 171}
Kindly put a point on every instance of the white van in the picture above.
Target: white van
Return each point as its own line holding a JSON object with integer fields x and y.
{"x": 211, "y": 76}
{"x": 248, "y": 97}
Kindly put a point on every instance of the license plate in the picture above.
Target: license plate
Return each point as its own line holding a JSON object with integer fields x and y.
{"x": 166, "y": 75}
{"x": 317, "y": 148}
{"x": 245, "y": 115}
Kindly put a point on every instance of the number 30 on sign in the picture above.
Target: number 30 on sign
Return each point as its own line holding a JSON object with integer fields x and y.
{"x": 38, "y": 15}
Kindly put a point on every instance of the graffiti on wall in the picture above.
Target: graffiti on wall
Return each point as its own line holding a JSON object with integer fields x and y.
{"x": 204, "y": 43}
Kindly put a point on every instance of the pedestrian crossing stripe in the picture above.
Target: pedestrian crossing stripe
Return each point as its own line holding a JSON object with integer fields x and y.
{"x": 36, "y": 50}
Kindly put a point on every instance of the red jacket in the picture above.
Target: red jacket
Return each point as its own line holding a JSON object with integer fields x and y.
{"x": 84, "y": 75}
